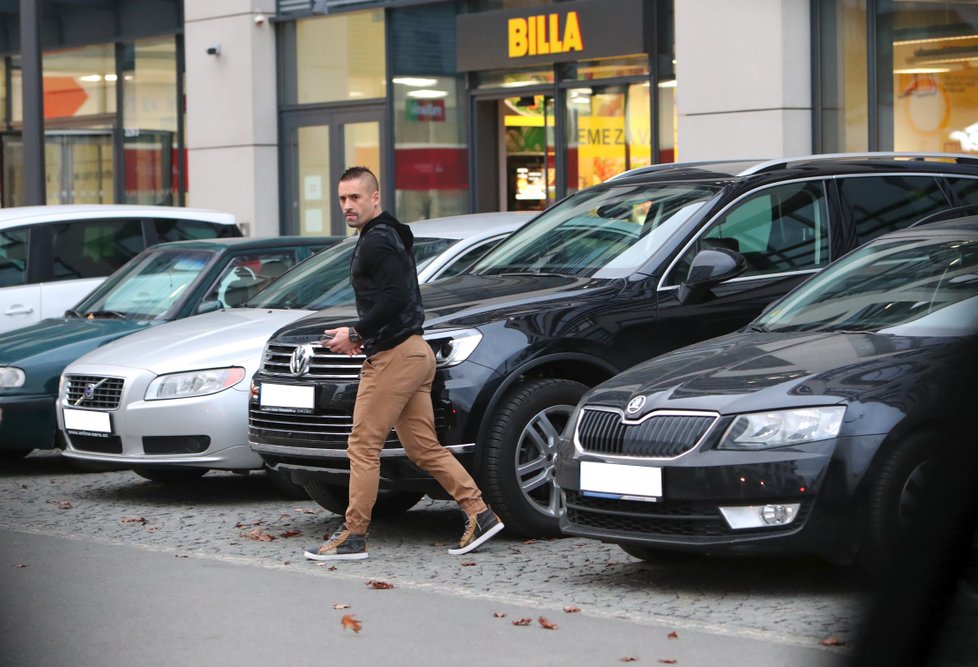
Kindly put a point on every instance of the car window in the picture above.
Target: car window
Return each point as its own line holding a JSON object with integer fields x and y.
{"x": 13, "y": 257}
{"x": 923, "y": 287}
{"x": 426, "y": 249}
{"x": 966, "y": 189}
{"x": 780, "y": 229}
{"x": 881, "y": 204}
{"x": 93, "y": 248}
{"x": 602, "y": 232}
{"x": 185, "y": 230}
{"x": 468, "y": 258}
{"x": 246, "y": 275}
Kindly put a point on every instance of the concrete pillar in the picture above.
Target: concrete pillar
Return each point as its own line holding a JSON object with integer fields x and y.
{"x": 232, "y": 111}
{"x": 743, "y": 70}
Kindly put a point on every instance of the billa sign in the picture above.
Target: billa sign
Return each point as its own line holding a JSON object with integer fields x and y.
{"x": 560, "y": 32}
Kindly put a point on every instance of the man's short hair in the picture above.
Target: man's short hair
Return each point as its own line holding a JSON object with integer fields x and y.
{"x": 354, "y": 173}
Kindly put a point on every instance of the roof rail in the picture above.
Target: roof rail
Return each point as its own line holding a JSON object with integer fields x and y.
{"x": 781, "y": 163}
{"x": 662, "y": 166}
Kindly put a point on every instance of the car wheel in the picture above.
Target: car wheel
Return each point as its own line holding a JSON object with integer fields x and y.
{"x": 284, "y": 484}
{"x": 895, "y": 498}
{"x": 656, "y": 555}
{"x": 335, "y": 498}
{"x": 171, "y": 475}
{"x": 519, "y": 479}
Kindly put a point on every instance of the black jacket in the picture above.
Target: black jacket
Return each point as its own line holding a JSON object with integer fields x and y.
{"x": 385, "y": 280}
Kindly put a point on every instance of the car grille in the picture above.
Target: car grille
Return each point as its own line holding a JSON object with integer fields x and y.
{"x": 324, "y": 364}
{"x": 657, "y": 436}
{"x": 106, "y": 391}
{"x": 89, "y": 443}
{"x": 700, "y": 519}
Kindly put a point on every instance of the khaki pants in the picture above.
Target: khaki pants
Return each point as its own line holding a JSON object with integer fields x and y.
{"x": 395, "y": 391}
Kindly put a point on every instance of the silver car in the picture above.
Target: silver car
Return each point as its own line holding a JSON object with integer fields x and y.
{"x": 172, "y": 403}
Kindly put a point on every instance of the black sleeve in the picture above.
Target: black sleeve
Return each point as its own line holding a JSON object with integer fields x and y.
{"x": 391, "y": 280}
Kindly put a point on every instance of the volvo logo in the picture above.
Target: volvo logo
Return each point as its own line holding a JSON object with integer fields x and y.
{"x": 89, "y": 391}
{"x": 300, "y": 359}
{"x": 635, "y": 405}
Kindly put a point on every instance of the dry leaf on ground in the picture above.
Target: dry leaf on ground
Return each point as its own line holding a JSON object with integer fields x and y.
{"x": 379, "y": 585}
{"x": 290, "y": 533}
{"x": 628, "y": 658}
{"x": 499, "y": 614}
{"x": 832, "y": 641}
{"x": 572, "y": 610}
{"x": 523, "y": 621}
{"x": 341, "y": 606}
{"x": 545, "y": 624}
{"x": 350, "y": 623}
{"x": 668, "y": 661}
{"x": 134, "y": 519}
{"x": 672, "y": 635}
{"x": 258, "y": 535}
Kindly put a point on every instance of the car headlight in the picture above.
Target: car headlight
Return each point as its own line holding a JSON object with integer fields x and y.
{"x": 453, "y": 347}
{"x": 11, "y": 376}
{"x": 193, "y": 383}
{"x": 763, "y": 430}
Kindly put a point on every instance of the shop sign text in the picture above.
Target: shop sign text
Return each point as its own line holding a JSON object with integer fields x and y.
{"x": 543, "y": 34}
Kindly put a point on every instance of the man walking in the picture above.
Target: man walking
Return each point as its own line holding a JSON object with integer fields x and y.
{"x": 395, "y": 383}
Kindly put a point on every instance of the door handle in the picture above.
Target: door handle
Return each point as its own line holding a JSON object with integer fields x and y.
{"x": 19, "y": 310}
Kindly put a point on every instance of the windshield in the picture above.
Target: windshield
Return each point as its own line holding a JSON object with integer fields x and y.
{"x": 323, "y": 281}
{"x": 149, "y": 288}
{"x": 601, "y": 233}
{"x": 921, "y": 287}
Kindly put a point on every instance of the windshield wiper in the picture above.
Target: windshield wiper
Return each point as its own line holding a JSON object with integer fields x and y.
{"x": 71, "y": 312}
{"x": 758, "y": 328}
{"x": 114, "y": 314}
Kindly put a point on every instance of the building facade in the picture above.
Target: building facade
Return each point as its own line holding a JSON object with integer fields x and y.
{"x": 474, "y": 105}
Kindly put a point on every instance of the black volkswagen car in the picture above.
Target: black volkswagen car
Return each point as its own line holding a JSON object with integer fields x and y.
{"x": 648, "y": 262}
{"x": 812, "y": 430}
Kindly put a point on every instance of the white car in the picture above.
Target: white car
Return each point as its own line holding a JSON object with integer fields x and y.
{"x": 72, "y": 248}
{"x": 179, "y": 404}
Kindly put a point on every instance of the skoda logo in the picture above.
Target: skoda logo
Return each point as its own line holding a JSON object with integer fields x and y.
{"x": 635, "y": 405}
{"x": 299, "y": 361}
{"x": 89, "y": 391}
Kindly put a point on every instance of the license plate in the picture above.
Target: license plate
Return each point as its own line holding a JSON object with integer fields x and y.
{"x": 287, "y": 397}
{"x": 87, "y": 421}
{"x": 621, "y": 482}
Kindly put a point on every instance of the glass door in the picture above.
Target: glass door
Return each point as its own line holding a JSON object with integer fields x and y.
{"x": 319, "y": 147}
{"x": 527, "y": 133}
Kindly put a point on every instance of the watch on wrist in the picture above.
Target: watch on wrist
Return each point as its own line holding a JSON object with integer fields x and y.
{"x": 354, "y": 336}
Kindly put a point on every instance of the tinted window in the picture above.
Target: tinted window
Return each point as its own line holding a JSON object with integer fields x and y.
{"x": 881, "y": 204}
{"x": 93, "y": 248}
{"x": 13, "y": 257}
{"x": 779, "y": 229}
{"x": 185, "y": 230}
{"x": 468, "y": 258}
{"x": 966, "y": 189}
{"x": 246, "y": 275}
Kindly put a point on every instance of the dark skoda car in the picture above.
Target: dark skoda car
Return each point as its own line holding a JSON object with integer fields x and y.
{"x": 811, "y": 430}
{"x": 611, "y": 276}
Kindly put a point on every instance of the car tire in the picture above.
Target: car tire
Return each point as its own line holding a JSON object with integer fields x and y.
{"x": 171, "y": 475}
{"x": 518, "y": 471}
{"x": 335, "y": 498}
{"x": 282, "y": 483}
{"x": 894, "y": 497}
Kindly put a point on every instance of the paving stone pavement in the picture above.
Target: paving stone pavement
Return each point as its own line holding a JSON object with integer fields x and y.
{"x": 241, "y": 518}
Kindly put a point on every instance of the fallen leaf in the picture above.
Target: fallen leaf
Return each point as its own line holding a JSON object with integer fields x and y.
{"x": 628, "y": 658}
{"x": 572, "y": 610}
{"x": 258, "y": 535}
{"x": 134, "y": 519}
{"x": 672, "y": 635}
{"x": 523, "y": 621}
{"x": 379, "y": 585}
{"x": 62, "y": 504}
{"x": 468, "y": 563}
{"x": 439, "y": 544}
{"x": 331, "y": 568}
{"x": 303, "y": 510}
{"x": 290, "y": 533}
{"x": 530, "y": 541}
{"x": 350, "y": 623}
{"x": 668, "y": 661}
{"x": 20, "y": 565}
{"x": 499, "y": 614}
{"x": 545, "y": 624}
{"x": 832, "y": 641}
{"x": 341, "y": 606}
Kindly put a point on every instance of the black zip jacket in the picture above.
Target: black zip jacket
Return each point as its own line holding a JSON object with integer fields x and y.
{"x": 385, "y": 281}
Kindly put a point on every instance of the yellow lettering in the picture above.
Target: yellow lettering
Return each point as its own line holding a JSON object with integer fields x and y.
{"x": 572, "y": 34}
{"x": 555, "y": 44}
{"x": 517, "y": 38}
{"x": 532, "y": 31}
{"x": 543, "y": 45}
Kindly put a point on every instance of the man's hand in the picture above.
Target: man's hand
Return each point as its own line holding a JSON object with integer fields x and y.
{"x": 338, "y": 341}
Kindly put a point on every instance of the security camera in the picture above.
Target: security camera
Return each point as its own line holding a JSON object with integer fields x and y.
{"x": 259, "y": 19}
{"x": 214, "y": 50}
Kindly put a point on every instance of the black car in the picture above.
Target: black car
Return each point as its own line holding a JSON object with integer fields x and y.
{"x": 611, "y": 276}
{"x": 812, "y": 430}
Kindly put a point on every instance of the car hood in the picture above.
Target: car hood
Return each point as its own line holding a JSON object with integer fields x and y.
{"x": 753, "y": 371}
{"x": 471, "y": 300}
{"x": 42, "y": 350}
{"x": 222, "y": 338}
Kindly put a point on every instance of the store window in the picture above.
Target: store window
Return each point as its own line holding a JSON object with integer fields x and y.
{"x": 430, "y": 152}
{"x": 340, "y": 58}
{"x": 898, "y": 76}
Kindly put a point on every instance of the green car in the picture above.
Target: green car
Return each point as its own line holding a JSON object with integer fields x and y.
{"x": 166, "y": 282}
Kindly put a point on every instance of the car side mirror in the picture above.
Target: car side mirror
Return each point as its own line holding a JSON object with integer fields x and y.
{"x": 209, "y": 307}
{"x": 710, "y": 267}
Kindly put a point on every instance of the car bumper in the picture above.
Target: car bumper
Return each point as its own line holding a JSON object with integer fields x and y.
{"x": 27, "y": 422}
{"x": 205, "y": 431}
{"x": 704, "y": 494}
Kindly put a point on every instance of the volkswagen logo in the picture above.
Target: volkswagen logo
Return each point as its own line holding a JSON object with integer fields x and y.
{"x": 635, "y": 405}
{"x": 299, "y": 361}
{"x": 89, "y": 391}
